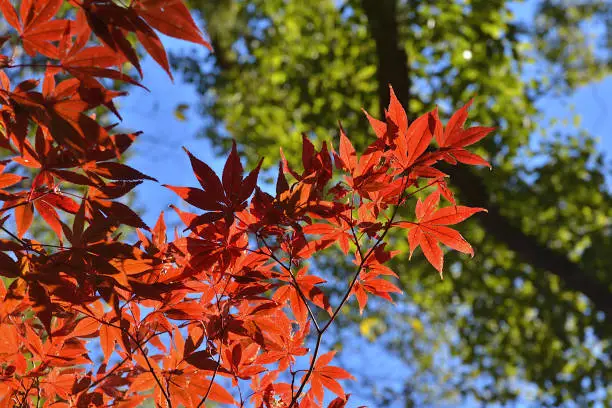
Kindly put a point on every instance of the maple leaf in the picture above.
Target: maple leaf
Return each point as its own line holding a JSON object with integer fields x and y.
{"x": 7, "y": 180}
{"x": 431, "y": 228}
{"x": 340, "y": 402}
{"x": 19, "y": 107}
{"x": 318, "y": 166}
{"x": 115, "y": 171}
{"x": 240, "y": 360}
{"x": 221, "y": 198}
{"x": 338, "y": 230}
{"x": 369, "y": 280}
{"x": 411, "y": 141}
{"x": 111, "y": 21}
{"x": 36, "y": 29}
{"x": 45, "y": 203}
{"x": 203, "y": 360}
{"x": 297, "y": 202}
{"x": 454, "y": 137}
{"x": 308, "y": 286}
{"x": 158, "y": 244}
{"x": 84, "y": 63}
{"x": 114, "y": 211}
{"x": 172, "y": 18}
{"x": 41, "y": 304}
{"x": 286, "y": 344}
{"x": 201, "y": 386}
{"x": 366, "y": 176}
{"x": 324, "y": 375}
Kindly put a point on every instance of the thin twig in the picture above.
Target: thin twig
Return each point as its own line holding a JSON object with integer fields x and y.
{"x": 345, "y": 298}
{"x": 10, "y": 207}
{"x": 144, "y": 354}
{"x": 212, "y": 379}
{"x": 294, "y": 282}
{"x": 353, "y": 228}
{"x": 15, "y": 237}
{"x": 109, "y": 373}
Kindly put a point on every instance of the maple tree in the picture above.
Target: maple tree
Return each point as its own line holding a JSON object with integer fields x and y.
{"x": 232, "y": 300}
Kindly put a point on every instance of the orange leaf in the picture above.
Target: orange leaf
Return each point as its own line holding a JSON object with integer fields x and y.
{"x": 24, "y": 215}
{"x": 107, "y": 341}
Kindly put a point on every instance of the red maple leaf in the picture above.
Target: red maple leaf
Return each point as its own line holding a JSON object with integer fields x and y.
{"x": 221, "y": 198}
{"x": 454, "y": 138}
{"x": 324, "y": 375}
{"x": 36, "y": 29}
{"x": 431, "y": 228}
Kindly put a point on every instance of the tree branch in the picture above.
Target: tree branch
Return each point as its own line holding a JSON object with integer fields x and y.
{"x": 392, "y": 59}
{"x": 529, "y": 249}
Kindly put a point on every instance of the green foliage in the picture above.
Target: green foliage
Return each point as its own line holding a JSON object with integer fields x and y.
{"x": 282, "y": 68}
